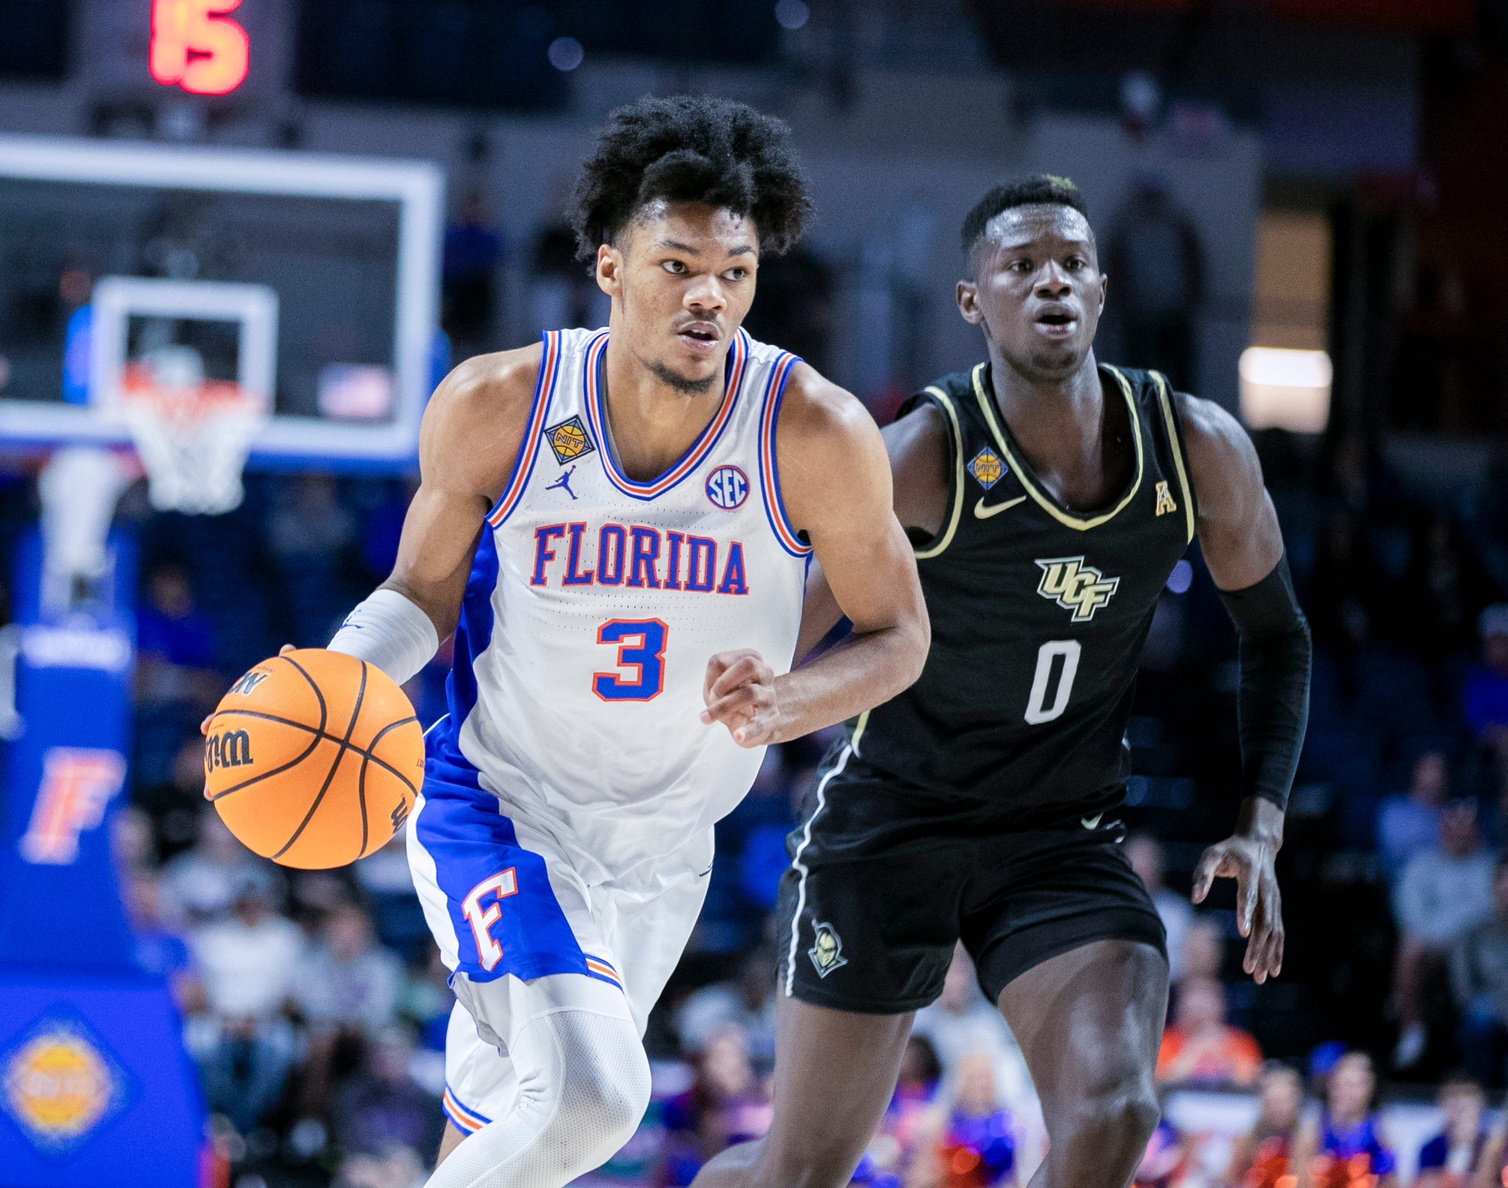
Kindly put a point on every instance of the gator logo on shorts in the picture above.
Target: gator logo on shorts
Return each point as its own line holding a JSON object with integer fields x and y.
{"x": 827, "y": 953}
{"x": 569, "y": 440}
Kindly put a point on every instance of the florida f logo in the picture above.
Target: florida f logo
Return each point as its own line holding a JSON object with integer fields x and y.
{"x": 77, "y": 784}
{"x": 1075, "y": 586}
{"x": 827, "y": 952}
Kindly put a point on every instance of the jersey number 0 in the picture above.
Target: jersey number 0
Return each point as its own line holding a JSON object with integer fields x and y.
{"x": 1037, "y": 708}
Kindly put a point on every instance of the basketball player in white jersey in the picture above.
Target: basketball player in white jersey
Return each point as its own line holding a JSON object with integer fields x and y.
{"x": 617, "y": 525}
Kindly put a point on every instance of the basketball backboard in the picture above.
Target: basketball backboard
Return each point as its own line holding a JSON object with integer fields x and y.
{"x": 309, "y": 282}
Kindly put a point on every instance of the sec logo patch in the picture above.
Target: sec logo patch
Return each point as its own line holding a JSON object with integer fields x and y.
{"x": 727, "y": 487}
{"x": 569, "y": 440}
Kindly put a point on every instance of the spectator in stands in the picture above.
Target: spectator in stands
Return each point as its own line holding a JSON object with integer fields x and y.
{"x": 1343, "y": 1145}
{"x": 1450, "y": 1158}
{"x": 382, "y": 1104}
{"x": 131, "y": 841}
{"x": 1261, "y": 1157}
{"x": 1168, "y": 1159}
{"x": 1485, "y": 697}
{"x": 161, "y": 949}
{"x": 425, "y": 1004}
{"x": 308, "y": 531}
{"x": 1441, "y": 589}
{"x": 1442, "y": 894}
{"x": 1410, "y": 825}
{"x": 396, "y": 1166}
{"x": 1153, "y": 248}
{"x": 200, "y": 883}
{"x": 1200, "y": 1048}
{"x": 244, "y": 1045}
{"x": 1175, "y": 911}
{"x": 748, "y": 1003}
{"x": 1479, "y": 981}
{"x": 970, "y": 1140}
{"x": 1342, "y": 590}
{"x": 726, "y": 1104}
{"x": 176, "y": 681}
{"x": 388, "y": 889}
{"x": 1203, "y": 952}
{"x": 908, "y": 1120}
{"x": 347, "y": 988}
{"x": 963, "y": 1021}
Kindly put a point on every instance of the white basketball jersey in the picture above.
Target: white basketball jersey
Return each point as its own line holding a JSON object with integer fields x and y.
{"x": 595, "y": 602}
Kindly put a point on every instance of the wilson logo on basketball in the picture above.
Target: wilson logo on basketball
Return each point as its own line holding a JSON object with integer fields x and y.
{"x": 248, "y": 682}
{"x": 231, "y": 749}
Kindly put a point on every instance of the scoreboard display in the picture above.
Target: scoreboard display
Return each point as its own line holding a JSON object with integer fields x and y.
{"x": 198, "y": 45}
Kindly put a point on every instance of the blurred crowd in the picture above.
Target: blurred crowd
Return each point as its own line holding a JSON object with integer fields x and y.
{"x": 315, "y": 1005}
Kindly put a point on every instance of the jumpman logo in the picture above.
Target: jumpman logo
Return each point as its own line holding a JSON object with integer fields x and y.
{"x": 564, "y": 481}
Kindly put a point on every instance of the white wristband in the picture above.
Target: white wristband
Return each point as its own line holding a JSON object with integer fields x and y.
{"x": 389, "y": 632}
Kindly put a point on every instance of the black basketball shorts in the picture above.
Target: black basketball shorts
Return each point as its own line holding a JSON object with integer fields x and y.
{"x": 883, "y": 883}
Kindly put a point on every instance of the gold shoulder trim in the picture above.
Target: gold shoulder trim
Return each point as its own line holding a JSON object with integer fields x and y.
{"x": 946, "y": 538}
{"x": 1165, "y": 398}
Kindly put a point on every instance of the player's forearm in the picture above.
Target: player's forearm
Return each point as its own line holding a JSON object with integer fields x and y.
{"x": 1273, "y": 700}
{"x": 859, "y": 673}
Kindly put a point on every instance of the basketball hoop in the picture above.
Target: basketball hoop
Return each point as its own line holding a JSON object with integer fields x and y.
{"x": 193, "y": 440}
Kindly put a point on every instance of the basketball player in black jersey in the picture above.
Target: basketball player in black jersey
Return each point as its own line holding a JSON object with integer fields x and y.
{"x": 1048, "y": 498}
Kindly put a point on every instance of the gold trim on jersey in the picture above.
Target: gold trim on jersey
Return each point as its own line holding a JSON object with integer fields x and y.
{"x": 1177, "y": 448}
{"x": 987, "y": 406}
{"x": 858, "y": 731}
{"x": 943, "y": 541}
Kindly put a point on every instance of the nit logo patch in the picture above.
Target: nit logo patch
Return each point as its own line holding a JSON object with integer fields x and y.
{"x": 827, "y": 952}
{"x": 60, "y": 1083}
{"x": 569, "y": 440}
{"x": 987, "y": 468}
{"x": 727, "y": 487}
{"x": 1075, "y": 586}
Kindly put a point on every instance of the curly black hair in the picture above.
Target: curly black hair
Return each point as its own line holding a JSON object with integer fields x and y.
{"x": 1039, "y": 189}
{"x": 691, "y": 149}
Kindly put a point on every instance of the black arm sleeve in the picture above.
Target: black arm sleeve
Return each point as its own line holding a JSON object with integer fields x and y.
{"x": 1273, "y": 704}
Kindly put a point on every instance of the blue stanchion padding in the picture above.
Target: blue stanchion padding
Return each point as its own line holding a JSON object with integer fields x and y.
{"x": 95, "y": 1086}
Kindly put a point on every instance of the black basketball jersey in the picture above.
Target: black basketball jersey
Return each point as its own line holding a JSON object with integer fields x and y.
{"x": 1039, "y": 614}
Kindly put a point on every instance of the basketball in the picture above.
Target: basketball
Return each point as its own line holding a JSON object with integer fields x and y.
{"x": 313, "y": 759}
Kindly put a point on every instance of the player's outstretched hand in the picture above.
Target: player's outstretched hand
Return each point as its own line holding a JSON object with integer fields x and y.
{"x": 740, "y": 693}
{"x": 1249, "y": 859}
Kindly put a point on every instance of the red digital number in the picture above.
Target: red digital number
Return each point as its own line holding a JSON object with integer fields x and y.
{"x": 197, "y": 47}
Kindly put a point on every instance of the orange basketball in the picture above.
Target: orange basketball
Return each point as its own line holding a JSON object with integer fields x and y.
{"x": 313, "y": 759}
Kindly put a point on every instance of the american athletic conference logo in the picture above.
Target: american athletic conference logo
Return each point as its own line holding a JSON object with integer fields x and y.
{"x": 727, "y": 488}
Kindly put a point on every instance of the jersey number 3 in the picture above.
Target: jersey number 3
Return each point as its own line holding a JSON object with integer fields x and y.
{"x": 1037, "y": 708}
{"x": 641, "y": 651}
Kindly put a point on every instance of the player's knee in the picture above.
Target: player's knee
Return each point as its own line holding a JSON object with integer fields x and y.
{"x": 1120, "y": 1119}
{"x": 609, "y": 1108}
{"x": 604, "y": 1084}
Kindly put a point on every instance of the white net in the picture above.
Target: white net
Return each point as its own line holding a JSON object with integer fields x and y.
{"x": 194, "y": 443}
